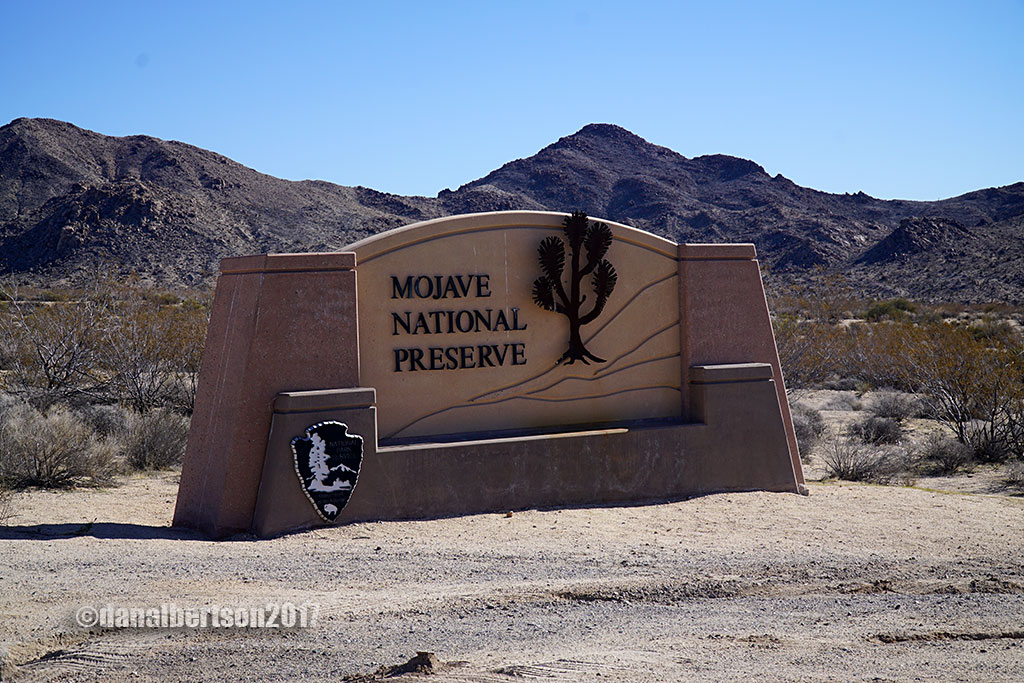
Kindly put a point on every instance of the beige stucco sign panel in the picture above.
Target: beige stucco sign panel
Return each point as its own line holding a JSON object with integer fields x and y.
{"x": 438, "y": 346}
{"x": 453, "y": 343}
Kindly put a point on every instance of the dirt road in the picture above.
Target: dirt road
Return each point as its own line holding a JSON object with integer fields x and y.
{"x": 853, "y": 582}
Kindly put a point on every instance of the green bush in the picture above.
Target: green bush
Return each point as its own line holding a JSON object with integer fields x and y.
{"x": 894, "y": 309}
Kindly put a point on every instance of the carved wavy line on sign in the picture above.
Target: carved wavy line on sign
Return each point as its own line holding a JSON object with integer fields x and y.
{"x": 626, "y": 305}
{"x": 530, "y": 398}
{"x": 553, "y": 368}
{"x": 603, "y": 371}
{"x": 594, "y": 379}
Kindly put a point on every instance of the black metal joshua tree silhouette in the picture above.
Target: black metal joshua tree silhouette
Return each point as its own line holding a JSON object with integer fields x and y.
{"x": 549, "y": 292}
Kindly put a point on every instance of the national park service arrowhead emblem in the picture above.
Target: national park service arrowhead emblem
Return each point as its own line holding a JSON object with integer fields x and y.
{"x": 327, "y": 460}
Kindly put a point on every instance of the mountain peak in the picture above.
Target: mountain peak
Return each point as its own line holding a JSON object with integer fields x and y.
{"x": 603, "y": 135}
{"x": 608, "y": 131}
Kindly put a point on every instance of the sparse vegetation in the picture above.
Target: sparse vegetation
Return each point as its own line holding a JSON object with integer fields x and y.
{"x": 894, "y": 309}
{"x": 946, "y": 455}
{"x": 961, "y": 366}
{"x": 852, "y": 460}
{"x": 97, "y": 381}
{"x": 6, "y": 503}
{"x": 894, "y": 405}
{"x": 877, "y": 430}
{"x": 52, "y": 349}
{"x": 106, "y": 420}
{"x": 155, "y": 440}
{"x": 809, "y": 427}
{"x": 1015, "y": 475}
{"x": 116, "y": 367}
{"x": 55, "y": 449}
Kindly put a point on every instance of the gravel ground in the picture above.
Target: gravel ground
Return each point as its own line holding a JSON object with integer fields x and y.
{"x": 853, "y": 582}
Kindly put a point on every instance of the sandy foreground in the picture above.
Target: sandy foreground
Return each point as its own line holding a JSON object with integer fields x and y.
{"x": 852, "y": 582}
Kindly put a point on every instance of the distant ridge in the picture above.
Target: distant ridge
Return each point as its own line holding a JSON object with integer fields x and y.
{"x": 73, "y": 202}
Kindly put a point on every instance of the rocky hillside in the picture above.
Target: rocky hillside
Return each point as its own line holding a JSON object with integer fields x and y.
{"x": 73, "y": 202}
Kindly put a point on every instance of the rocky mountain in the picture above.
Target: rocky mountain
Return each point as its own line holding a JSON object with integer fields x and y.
{"x": 74, "y": 202}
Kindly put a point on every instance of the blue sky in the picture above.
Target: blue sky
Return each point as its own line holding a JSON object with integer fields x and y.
{"x": 914, "y": 100}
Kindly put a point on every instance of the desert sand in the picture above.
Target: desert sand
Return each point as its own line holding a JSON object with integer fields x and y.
{"x": 853, "y": 582}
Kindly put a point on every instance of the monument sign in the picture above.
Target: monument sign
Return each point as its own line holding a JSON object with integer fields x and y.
{"x": 483, "y": 362}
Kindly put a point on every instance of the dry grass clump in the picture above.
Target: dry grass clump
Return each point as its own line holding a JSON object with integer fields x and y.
{"x": 55, "y": 449}
{"x": 846, "y": 401}
{"x": 853, "y": 460}
{"x": 6, "y": 503}
{"x": 946, "y": 455}
{"x": 106, "y": 420}
{"x": 155, "y": 440}
{"x": 61, "y": 448}
{"x": 1014, "y": 475}
{"x": 895, "y": 405}
{"x": 809, "y": 427}
{"x": 877, "y": 430}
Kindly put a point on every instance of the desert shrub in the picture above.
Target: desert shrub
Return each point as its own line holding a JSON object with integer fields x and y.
{"x": 809, "y": 426}
{"x": 155, "y": 440}
{"x": 986, "y": 443}
{"x": 894, "y": 308}
{"x": 161, "y": 298}
{"x": 188, "y": 339}
{"x": 1014, "y": 475}
{"x": 853, "y": 460}
{"x": 946, "y": 455}
{"x": 114, "y": 341}
{"x": 136, "y": 351}
{"x": 8, "y": 401}
{"x": 840, "y": 384}
{"x": 106, "y": 420}
{"x": 894, "y": 405}
{"x": 51, "y": 348}
{"x": 964, "y": 382}
{"x": 56, "y": 449}
{"x": 876, "y": 430}
{"x": 53, "y": 295}
{"x": 805, "y": 350}
{"x": 994, "y": 331}
{"x": 930, "y": 317}
{"x": 6, "y": 503}
{"x": 872, "y": 354}
{"x": 152, "y": 351}
{"x": 846, "y": 401}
